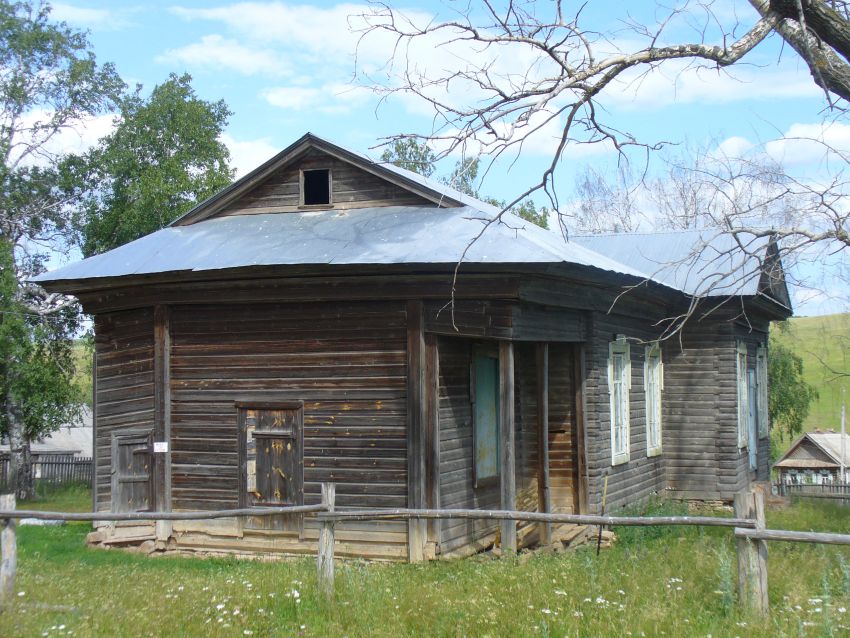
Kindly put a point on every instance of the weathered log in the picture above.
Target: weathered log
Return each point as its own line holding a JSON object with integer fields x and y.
{"x": 159, "y": 516}
{"x": 752, "y": 555}
{"x": 542, "y": 517}
{"x": 8, "y": 551}
{"x": 325, "y": 555}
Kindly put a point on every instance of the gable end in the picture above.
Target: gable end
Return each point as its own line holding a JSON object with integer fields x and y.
{"x": 349, "y": 187}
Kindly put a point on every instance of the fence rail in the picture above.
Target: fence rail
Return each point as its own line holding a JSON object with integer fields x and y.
{"x": 52, "y": 470}
{"x": 749, "y": 530}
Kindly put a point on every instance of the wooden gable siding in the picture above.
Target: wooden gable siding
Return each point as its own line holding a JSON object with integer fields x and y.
{"x": 642, "y": 476}
{"x": 124, "y": 347}
{"x": 352, "y": 187}
{"x": 806, "y": 450}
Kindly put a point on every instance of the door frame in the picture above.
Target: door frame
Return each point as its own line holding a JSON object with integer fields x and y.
{"x": 141, "y": 436}
{"x": 242, "y": 450}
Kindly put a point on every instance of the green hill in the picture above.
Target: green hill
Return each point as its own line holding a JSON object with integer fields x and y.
{"x": 824, "y": 345}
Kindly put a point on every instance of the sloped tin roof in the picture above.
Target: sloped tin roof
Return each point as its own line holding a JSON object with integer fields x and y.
{"x": 707, "y": 263}
{"x": 384, "y": 235}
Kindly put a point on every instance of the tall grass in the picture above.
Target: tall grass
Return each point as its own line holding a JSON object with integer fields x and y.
{"x": 678, "y": 582}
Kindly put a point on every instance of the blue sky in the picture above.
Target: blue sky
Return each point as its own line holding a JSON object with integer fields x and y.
{"x": 285, "y": 68}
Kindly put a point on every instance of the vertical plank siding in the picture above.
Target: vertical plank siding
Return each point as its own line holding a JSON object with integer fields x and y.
{"x": 563, "y": 465}
{"x": 125, "y": 386}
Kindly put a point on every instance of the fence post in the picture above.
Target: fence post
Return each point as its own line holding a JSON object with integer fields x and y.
{"x": 752, "y": 555}
{"x": 325, "y": 557}
{"x": 8, "y": 551}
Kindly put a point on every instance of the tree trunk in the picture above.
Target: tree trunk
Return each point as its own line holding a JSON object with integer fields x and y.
{"x": 21, "y": 467}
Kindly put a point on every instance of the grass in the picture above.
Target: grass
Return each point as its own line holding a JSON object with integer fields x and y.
{"x": 673, "y": 582}
{"x": 824, "y": 345}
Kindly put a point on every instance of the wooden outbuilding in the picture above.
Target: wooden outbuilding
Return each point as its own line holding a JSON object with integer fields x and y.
{"x": 815, "y": 458}
{"x": 310, "y": 323}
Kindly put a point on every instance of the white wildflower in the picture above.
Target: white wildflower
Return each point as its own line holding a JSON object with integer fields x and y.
{"x": 247, "y": 632}
{"x": 578, "y": 614}
{"x": 841, "y": 610}
{"x": 22, "y": 593}
{"x": 560, "y": 592}
{"x": 546, "y": 611}
{"x": 220, "y": 606}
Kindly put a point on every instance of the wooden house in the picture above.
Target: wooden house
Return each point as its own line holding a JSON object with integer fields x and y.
{"x": 310, "y": 323}
{"x": 816, "y": 458}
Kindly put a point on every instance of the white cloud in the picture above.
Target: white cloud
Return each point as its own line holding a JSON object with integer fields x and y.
{"x": 84, "y": 135}
{"x": 734, "y": 147}
{"x": 331, "y": 98}
{"x": 102, "y": 19}
{"x": 684, "y": 83}
{"x": 332, "y": 33}
{"x": 216, "y": 52}
{"x": 816, "y": 143}
{"x": 246, "y": 155}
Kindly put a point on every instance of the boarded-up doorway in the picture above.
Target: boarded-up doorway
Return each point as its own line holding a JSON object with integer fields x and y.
{"x": 563, "y": 429}
{"x": 131, "y": 472}
{"x": 271, "y": 450}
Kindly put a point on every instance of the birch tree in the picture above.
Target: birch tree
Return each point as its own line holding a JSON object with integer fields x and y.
{"x": 50, "y": 83}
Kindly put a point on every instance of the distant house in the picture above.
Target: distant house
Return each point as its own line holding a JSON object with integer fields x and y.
{"x": 306, "y": 325}
{"x": 815, "y": 459}
{"x": 72, "y": 440}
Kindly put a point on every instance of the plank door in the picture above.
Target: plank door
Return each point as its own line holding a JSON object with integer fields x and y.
{"x": 274, "y": 463}
{"x": 132, "y": 463}
{"x": 752, "y": 419}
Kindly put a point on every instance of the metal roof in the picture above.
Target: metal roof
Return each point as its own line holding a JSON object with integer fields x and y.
{"x": 828, "y": 442}
{"x": 385, "y": 235}
{"x": 699, "y": 262}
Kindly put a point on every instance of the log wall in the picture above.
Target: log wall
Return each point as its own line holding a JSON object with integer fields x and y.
{"x": 125, "y": 387}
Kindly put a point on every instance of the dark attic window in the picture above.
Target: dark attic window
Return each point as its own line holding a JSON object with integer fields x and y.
{"x": 316, "y": 187}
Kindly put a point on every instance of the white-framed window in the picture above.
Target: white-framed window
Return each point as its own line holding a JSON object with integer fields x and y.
{"x": 653, "y": 383}
{"x": 761, "y": 382}
{"x": 743, "y": 407}
{"x": 619, "y": 384}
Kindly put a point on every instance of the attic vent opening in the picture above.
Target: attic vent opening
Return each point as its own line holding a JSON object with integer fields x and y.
{"x": 316, "y": 187}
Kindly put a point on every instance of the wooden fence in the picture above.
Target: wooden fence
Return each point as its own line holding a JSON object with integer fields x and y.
{"x": 839, "y": 492}
{"x": 748, "y": 526}
{"x": 53, "y": 470}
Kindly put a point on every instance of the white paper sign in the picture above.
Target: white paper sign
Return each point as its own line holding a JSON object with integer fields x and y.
{"x": 160, "y": 446}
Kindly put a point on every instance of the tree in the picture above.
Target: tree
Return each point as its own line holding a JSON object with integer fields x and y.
{"x": 418, "y": 157}
{"x": 49, "y": 83}
{"x": 409, "y": 154}
{"x": 571, "y": 64}
{"x": 789, "y": 396}
{"x": 164, "y": 156}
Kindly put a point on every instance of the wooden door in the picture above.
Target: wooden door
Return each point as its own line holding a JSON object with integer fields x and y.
{"x": 274, "y": 462}
{"x": 131, "y": 472}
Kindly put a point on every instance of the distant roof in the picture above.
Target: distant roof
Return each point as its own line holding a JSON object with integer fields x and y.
{"x": 383, "y": 235}
{"x": 75, "y": 438}
{"x": 828, "y": 442}
{"x": 699, "y": 262}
